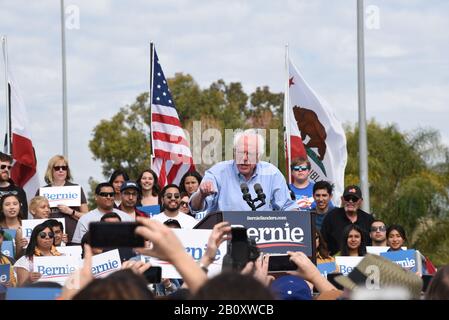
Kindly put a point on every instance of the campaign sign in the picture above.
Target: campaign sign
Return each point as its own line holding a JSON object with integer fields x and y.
{"x": 195, "y": 243}
{"x": 55, "y": 268}
{"x": 68, "y": 195}
{"x": 407, "y": 259}
{"x": 326, "y": 268}
{"x": 377, "y": 250}
{"x": 276, "y": 231}
{"x": 4, "y": 272}
{"x": 74, "y": 251}
{"x": 347, "y": 264}
{"x": 33, "y": 293}
{"x": 29, "y": 224}
{"x": 8, "y": 248}
{"x": 106, "y": 263}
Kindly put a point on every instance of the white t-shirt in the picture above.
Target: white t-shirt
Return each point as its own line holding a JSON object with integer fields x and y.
{"x": 25, "y": 263}
{"x": 186, "y": 221}
{"x": 94, "y": 216}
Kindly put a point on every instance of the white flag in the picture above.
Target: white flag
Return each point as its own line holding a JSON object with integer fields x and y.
{"x": 315, "y": 130}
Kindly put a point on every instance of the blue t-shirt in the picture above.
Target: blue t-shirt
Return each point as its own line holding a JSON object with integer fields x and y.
{"x": 150, "y": 210}
{"x": 304, "y": 196}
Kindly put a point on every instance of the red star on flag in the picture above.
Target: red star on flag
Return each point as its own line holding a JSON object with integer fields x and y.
{"x": 290, "y": 82}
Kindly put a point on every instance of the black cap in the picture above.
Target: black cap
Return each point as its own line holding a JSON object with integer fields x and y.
{"x": 353, "y": 190}
{"x": 129, "y": 185}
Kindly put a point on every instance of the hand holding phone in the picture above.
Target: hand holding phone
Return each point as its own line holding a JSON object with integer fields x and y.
{"x": 280, "y": 263}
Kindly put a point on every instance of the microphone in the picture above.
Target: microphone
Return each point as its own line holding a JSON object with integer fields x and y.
{"x": 247, "y": 196}
{"x": 260, "y": 195}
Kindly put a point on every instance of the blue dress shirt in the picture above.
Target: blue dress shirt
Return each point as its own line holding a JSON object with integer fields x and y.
{"x": 226, "y": 180}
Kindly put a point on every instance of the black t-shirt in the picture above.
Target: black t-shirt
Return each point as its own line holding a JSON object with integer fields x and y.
{"x": 335, "y": 222}
{"x": 18, "y": 191}
{"x": 70, "y": 223}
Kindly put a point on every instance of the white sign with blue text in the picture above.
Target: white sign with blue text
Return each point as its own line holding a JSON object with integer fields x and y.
{"x": 326, "y": 268}
{"x": 55, "y": 268}
{"x": 106, "y": 263}
{"x": 347, "y": 264}
{"x": 29, "y": 224}
{"x": 195, "y": 243}
{"x": 74, "y": 251}
{"x": 68, "y": 195}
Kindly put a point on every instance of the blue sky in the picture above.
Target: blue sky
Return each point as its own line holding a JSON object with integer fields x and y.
{"x": 407, "y": 59}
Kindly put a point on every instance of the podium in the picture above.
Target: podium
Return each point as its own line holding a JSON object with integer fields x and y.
{"x": 210, "y": 220}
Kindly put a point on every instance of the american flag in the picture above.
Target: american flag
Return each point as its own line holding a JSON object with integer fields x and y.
{"x": 172, "y": 157}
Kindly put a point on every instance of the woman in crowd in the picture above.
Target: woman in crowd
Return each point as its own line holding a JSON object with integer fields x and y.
{"x": 58, "y": 175}
{"x": 396, "y": 237}
{"x": 118, "y": 177}
{"x": 39, "y": 208}
{"x": 322, "y": 253}
{"x": 354, "y": 241}
{"x": 41, "y": 244}
{"x": 184, "y": 204}
{"x": 150, "y": 202}
{"x": 190, "y": 182}
{"x": 7, "y": 260}
{"x": 10, "y": 213}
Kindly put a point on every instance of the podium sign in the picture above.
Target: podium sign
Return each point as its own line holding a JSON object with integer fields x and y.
{"x": 277, "y": 231}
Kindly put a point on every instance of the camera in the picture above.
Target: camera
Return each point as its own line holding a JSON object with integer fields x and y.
{"x": 241, "y": 250}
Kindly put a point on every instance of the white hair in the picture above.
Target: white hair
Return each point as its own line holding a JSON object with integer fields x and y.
{"x": 249, "y": 133}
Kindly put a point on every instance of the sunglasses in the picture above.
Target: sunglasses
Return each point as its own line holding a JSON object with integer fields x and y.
{"x": 380, "y": 229}
{"x": 172, "y": 195}
{"x": 351, "y": 198}
{"x": 107, "y": 194}
{"x": 300, "y": 168}
{"x": 58, "y": 168}
{"x": 183, "y": 203}
{"x": 5, "y": 166}
{"x": 43, "y": 235}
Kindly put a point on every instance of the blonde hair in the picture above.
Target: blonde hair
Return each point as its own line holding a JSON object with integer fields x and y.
{"x": 34, "y": 203}
{"x": 49, "y": 172}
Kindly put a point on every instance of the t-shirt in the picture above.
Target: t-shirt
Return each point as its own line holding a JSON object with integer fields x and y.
{"x": 70, "y": 223}
{"x": 25, "y": 263}
{"x": 94, "y": 216}
{"x": 304, "y": 196}
{"x": 15, "y": 190}
{"x": 186, "y": 221}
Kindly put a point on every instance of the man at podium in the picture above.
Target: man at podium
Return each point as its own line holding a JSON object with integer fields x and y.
{"x": 227, "y": 183}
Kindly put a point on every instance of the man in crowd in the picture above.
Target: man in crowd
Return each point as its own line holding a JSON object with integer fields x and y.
{"x": 350, "y": 213}
{"x": 378, "y": 233}
{"x": 104, "y": 198}
{"x": 171, "y": 201}
{"x": 322, "y": 194}
{"x": 130, "y": 193}
{"x": 220, "y": 189}
{"x": 7, "y": 186}
{"x": 301, "y": 186}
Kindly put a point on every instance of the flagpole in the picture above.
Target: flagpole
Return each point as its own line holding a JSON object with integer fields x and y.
{"x": 151, "y": 100}
{"x": 64, "y": 86}
{"x": 287, "y": 115}
{"x": 7, "y": 94}
{"x": 363, "y": 141}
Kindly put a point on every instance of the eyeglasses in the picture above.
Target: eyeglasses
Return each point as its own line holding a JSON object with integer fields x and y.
{"x": 183, "y": 203}
{"x": 172, "y": 195}
{"x": 380, "y": 229}
{"x": 5, "y": 166}
{"x": 351, "y": 198}
{"x": 106, "y": 194}
{"x": 43, "y": 235}
{"x": 300, "y": 168}
{"x": 58, "y": 168}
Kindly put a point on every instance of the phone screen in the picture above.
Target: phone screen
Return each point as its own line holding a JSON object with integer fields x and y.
{"x": 153, "y": 275}
{"x": 114, "y": 235}
{"x": 280, "y": 263}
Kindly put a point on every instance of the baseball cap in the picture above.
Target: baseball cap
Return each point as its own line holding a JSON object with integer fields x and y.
{"x": 291, "y": 288}
{"x": 352, "y": 190}
{"x": 129, "y": 185}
